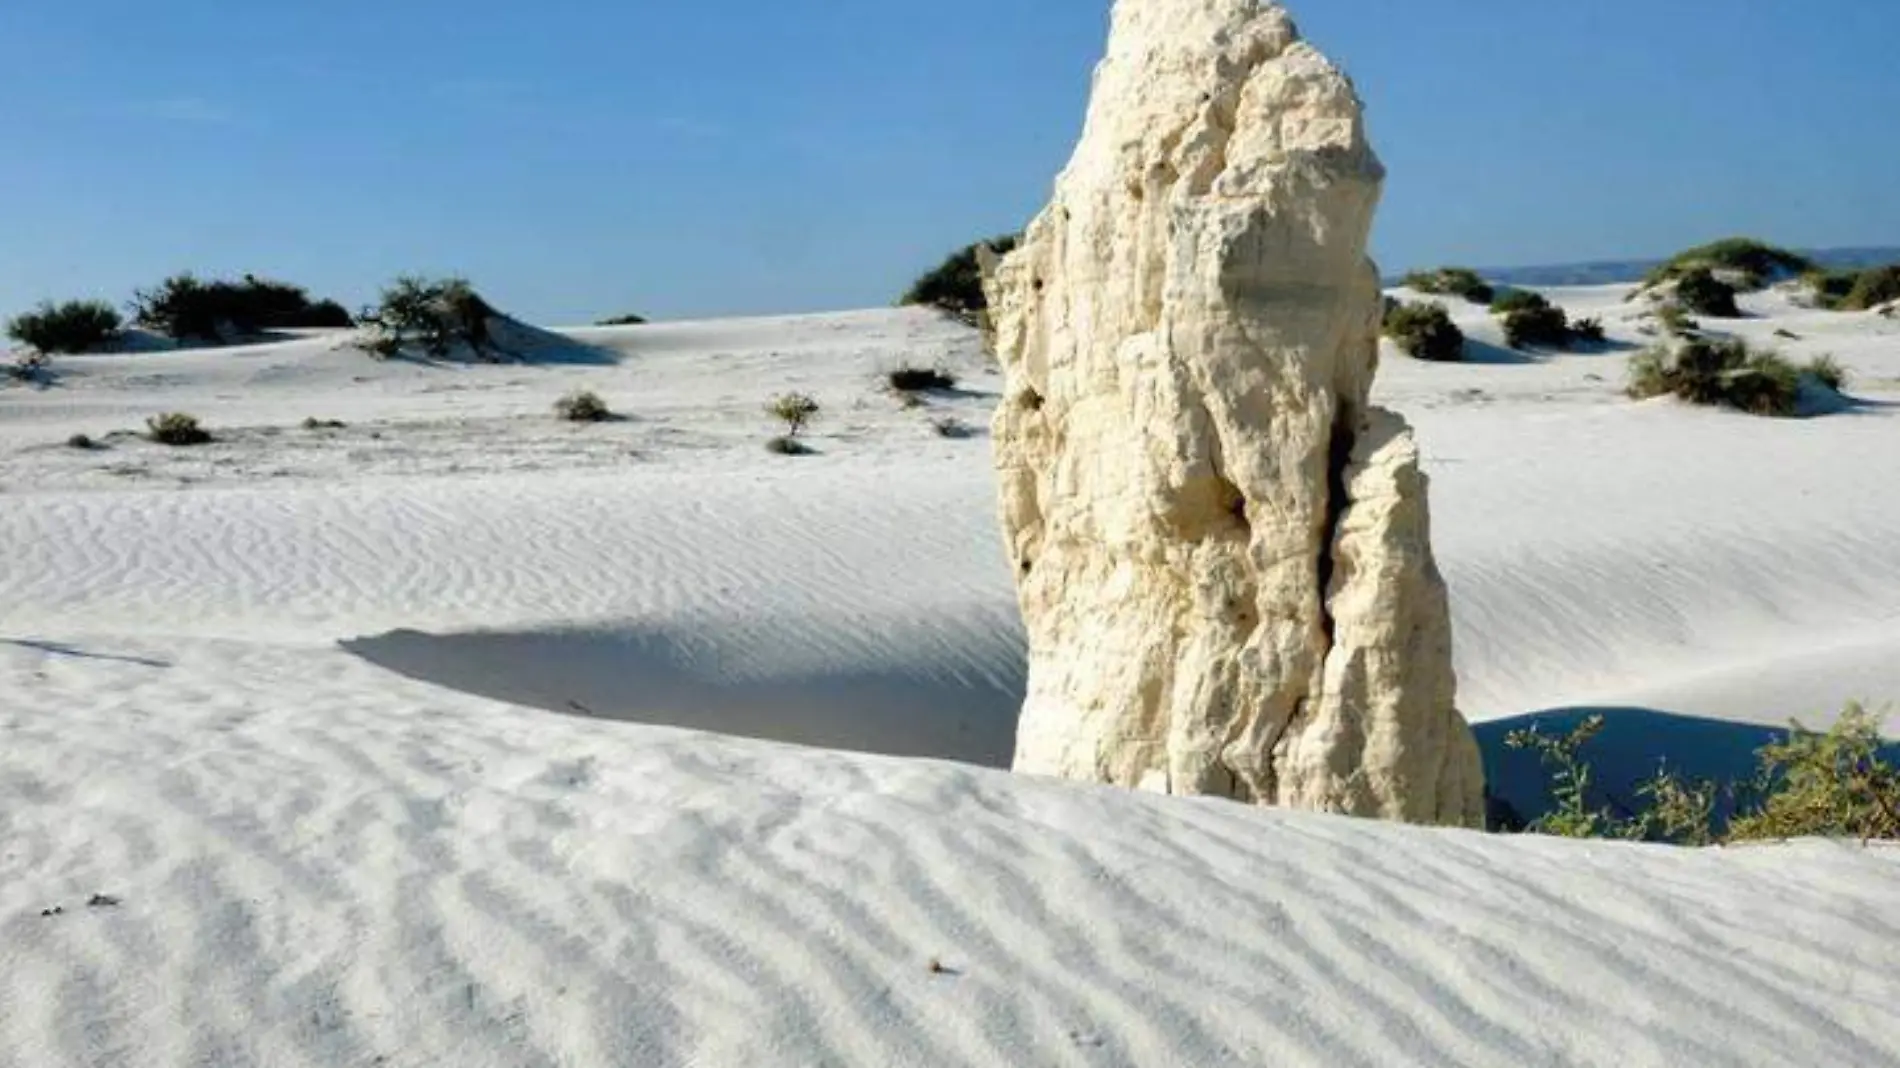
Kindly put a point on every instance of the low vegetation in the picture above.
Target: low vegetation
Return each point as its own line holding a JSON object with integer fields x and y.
{"x": 1750, "y": 264}
{"x": 909, "y": 379}
{"x": 73, "y": 326}
{"x": 1675, "y": 321}
{"x": 1698, "y": 290}
{"x": 1452, "y": 281}
{"x": 313, "y": 423}
{"x": 82, "y": 442}
{"x": 956, "y": 284}
{"x": 435, "y": 316}
{"x": 583, "y": 406}
{"x": 1727, "y": 373}
{"x": 623, "y": 320}
{"x": 1512, "y": 300}
{"x": 1588, "y": 331}
{"x": 795, "y": 410}
{"x": 1543, "y": 327}
{"x": 1838, "y": 783}
{"x": 1856, "y": 290}
{"x": 186, "y": 308}
{"x": 1424, "y": 332}
{"x": 176, "y": 428}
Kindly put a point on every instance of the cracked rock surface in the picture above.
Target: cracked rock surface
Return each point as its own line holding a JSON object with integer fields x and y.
{"x": 1222, "y": 549}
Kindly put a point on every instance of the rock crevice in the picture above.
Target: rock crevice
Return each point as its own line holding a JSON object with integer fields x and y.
{"x": 1223, "y": 550}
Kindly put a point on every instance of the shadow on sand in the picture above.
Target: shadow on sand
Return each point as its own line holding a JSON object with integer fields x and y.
{"x": 652, "y": 677}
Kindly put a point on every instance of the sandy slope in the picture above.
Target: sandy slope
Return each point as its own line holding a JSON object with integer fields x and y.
{"x": 291, "y": 698}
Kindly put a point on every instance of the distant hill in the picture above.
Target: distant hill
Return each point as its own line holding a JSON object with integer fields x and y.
{"x": 1612, "y": 272}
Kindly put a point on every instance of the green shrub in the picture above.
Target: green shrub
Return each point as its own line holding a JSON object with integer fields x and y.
{"x": 1830, "y": 288}
{"x": 1753, "y": 262}
{"x": 73, "y": 326}
{"x": 583, "y": 406}
{"x": 434, "y": 315}
{"x": 1542, "y": 327}
{"x": 1513, "y": 300}
{"x": 795, "y": 410}
{"x": 1837, "y": 783}
{"x": 1873, "y": 288}
{"x": 623, "y": 320}
{"x": 920, "y": 379}
{"x": 185, "y": 308}
{"x": 956, "y": 284}
{"x": 1699, "y": 291}
{"x": 1425, "y": 332}
{"x": 1588, "y": 330}
{"x": 176, "y": 428}
{"x": 1675, "y": 321}
{"x": 1452, "y": 281}
{"x": 1723, "y": 373}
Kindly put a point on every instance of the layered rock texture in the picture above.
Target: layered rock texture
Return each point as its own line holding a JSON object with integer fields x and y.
{"x": 1223, "y": 551}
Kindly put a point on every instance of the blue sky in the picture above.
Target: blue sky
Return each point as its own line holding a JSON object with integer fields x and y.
{"x": 579, "y": 158}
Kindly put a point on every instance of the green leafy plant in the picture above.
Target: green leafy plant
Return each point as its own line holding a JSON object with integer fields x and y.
{"x": 1571, "y": 815}
{"x": 1726, "y": 373}
{"x": 795, "y": 410}
{"x": 956, "y": 284}
{"x": 1425, "y": 332}
{"x": 73, "y": 326}
{"x": 433, "y": 315}
{"x": 176, "y": 428}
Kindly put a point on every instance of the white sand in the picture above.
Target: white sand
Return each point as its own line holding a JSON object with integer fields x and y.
{"x": 331, "y": 714}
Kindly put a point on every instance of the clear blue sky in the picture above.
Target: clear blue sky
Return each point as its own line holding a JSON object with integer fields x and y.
{"x": 578, "y": 158}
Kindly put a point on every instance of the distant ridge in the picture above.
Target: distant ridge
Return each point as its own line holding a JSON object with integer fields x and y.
{"x": 1613, "y": 272}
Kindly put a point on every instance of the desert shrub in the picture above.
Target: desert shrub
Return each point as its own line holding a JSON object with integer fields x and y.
{"x": 1828, "y": 371}
{"x": 1514, "y": 300}
{"x": 1753, "y": 263}
{"x": 583, "y": 406}
{"x": 187, "y": 308}
{"x": 313, "y": 423}
{"x": 1838, "y": 783}
{"x": 1425, "y": 332}
{"x": 1452, "y": 281}
{"x": 1723, "y": 373}
{"x": 81, "y": 441}
{"x": 919, "y": 379}
{"x": 1588, "y": 330}
{"x": 68, "y": 327}
{"x": 956, "y": 284}
{"x": 623, "y": 320}
{"x": 434, "y": 315}
{"x": 1830, "y": 288}
{"x": 795, "y": 410}
{"x": 1699, "y": 291}
{"x": 1675, "y": 321}
{"x": 176, "y": 428}
{"x": 1545, "y": 326}
{"x": 1873, "y": 288}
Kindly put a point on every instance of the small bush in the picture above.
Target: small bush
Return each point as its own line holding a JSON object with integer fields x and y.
{"x": 185, "y": 308}
{"x": 584, "y": 406}
{"x": 1515, "y": 300}
{"x": 1452, "y": 281}
{"x": 623, "y": 320}
{"x": 795, "y": 410}
{"x": 1588, "y": 330}
{"x": 1827, "y": 371}
{"x": 921, "y": 379}
{"x": 1571, "y": 815}
{"x": 1425, "y": 332}
{"x": 434, "y": 315}
{"x": 73, "y": 326}
{"x": 1754, "y": 263}
{"x": 1545, "y": 326}
{"x": 956, "y": 284}
{"x": 313, "y": 423}
{"x": 1723, "y": 373}
{"x": 1699, "y": 291}
{"x": 1675, "y": 321}
{"x": 1830, "y": 288}
{"x": 1873, "y": 288}
{"x": 176, "y": 428}
{"x": 81, "y": 441}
